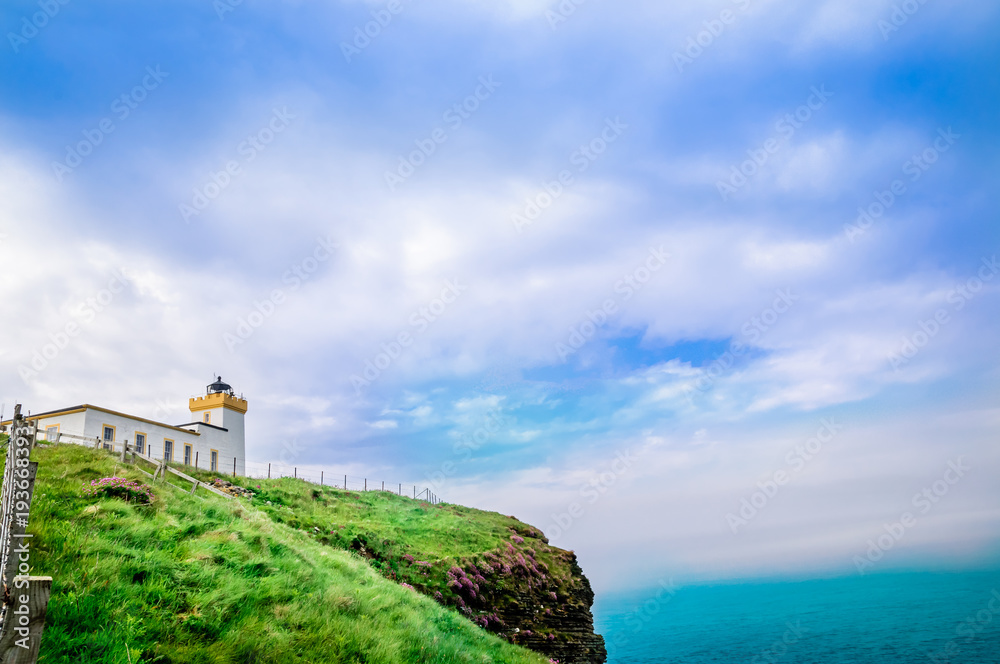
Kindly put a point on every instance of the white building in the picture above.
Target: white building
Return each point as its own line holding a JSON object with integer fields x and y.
{"x": 214, "y": 439}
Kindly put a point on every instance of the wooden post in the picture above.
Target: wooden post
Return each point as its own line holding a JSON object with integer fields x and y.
{"x": 295, "y": 473}
{"x": 401, "y": 489}
{"x": 196, "y": 459}
{"x": 366, "y": 484}
{"x": 124, "y": 450}
{"x": 194, "y": 485}
{"x": 345, "y": 482}
{"x": 383, "y": 485}
{"x": 321, "y": 478}
{"x": 20, "y": 644}
{"x": 268, "y": 471}
{"x": 19, "y": 525}
{"x": 414, "y": 491}
{"x": 234, "y": 466}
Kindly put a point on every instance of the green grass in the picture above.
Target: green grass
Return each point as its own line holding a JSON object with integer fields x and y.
{"x": 507, "y": 563}
{"x": 200, "y": 580}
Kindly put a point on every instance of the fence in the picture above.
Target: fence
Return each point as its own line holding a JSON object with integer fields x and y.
{"x": 275, "y": 471}
{"x": 339, "y": 481}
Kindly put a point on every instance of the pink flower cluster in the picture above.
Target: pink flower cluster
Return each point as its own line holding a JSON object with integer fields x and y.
{"x": 119, "y": 487}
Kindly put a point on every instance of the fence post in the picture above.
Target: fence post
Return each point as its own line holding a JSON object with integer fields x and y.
{"x": 383, "y": 485}
{"x": 234, "y": 466}
{"x": 124, "y": 449}
{"x": 414, "y": 491}
{"x": 345, "y": 482}
{"x": 321, "y": 478}
{"x": 296, "y": 473}
{"x": 366, "y": 484}
{"x": 196, "y": 458}
{"x": 19, "y": 526}
{"x": 268, "y": 471}
{"x": 401, "y": 489}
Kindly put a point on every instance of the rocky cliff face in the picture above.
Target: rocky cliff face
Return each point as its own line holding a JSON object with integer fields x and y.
{"x": 571, "y": 623}
{"x": 543, "y": 607}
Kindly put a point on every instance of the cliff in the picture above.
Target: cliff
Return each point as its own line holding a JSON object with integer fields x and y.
{"x": 298, "y": 572}
{"x": 496, "y": 571}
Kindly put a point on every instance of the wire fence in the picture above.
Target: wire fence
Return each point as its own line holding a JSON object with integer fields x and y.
{"x": 265, "y": 470}
{"x": 340, "y": 480}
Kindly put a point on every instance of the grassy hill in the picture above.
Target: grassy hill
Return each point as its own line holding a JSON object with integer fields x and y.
{"x": 316, "y": 576}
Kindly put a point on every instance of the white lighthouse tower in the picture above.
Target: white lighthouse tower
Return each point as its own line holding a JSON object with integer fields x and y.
{"x": 220, "y": 408}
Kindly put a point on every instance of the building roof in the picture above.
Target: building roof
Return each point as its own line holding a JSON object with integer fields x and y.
{"x": 203, "y": 424}
{"x": 83, "y": 407}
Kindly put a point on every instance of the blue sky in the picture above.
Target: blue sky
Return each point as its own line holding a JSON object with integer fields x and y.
{"x": 619, "y": 132}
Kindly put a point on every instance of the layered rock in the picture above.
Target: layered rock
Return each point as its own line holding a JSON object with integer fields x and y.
{"x": 522, "y": 600}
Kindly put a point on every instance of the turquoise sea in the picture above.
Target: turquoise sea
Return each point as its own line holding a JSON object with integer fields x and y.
{"x": 902, "y": 617}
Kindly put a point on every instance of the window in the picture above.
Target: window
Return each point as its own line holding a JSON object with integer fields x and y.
{"x": 168, "y": 449}
{"x": 140, "y": 442}
{"x": 108, "y": 436}
{"x": 215, "y": 461}
{"x": 52, "y": 433}
{"x": 208, "y": 418}
{"x": 187, "y": 455}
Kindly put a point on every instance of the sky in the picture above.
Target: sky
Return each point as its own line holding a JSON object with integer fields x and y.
{"x": 705, "y": 290}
